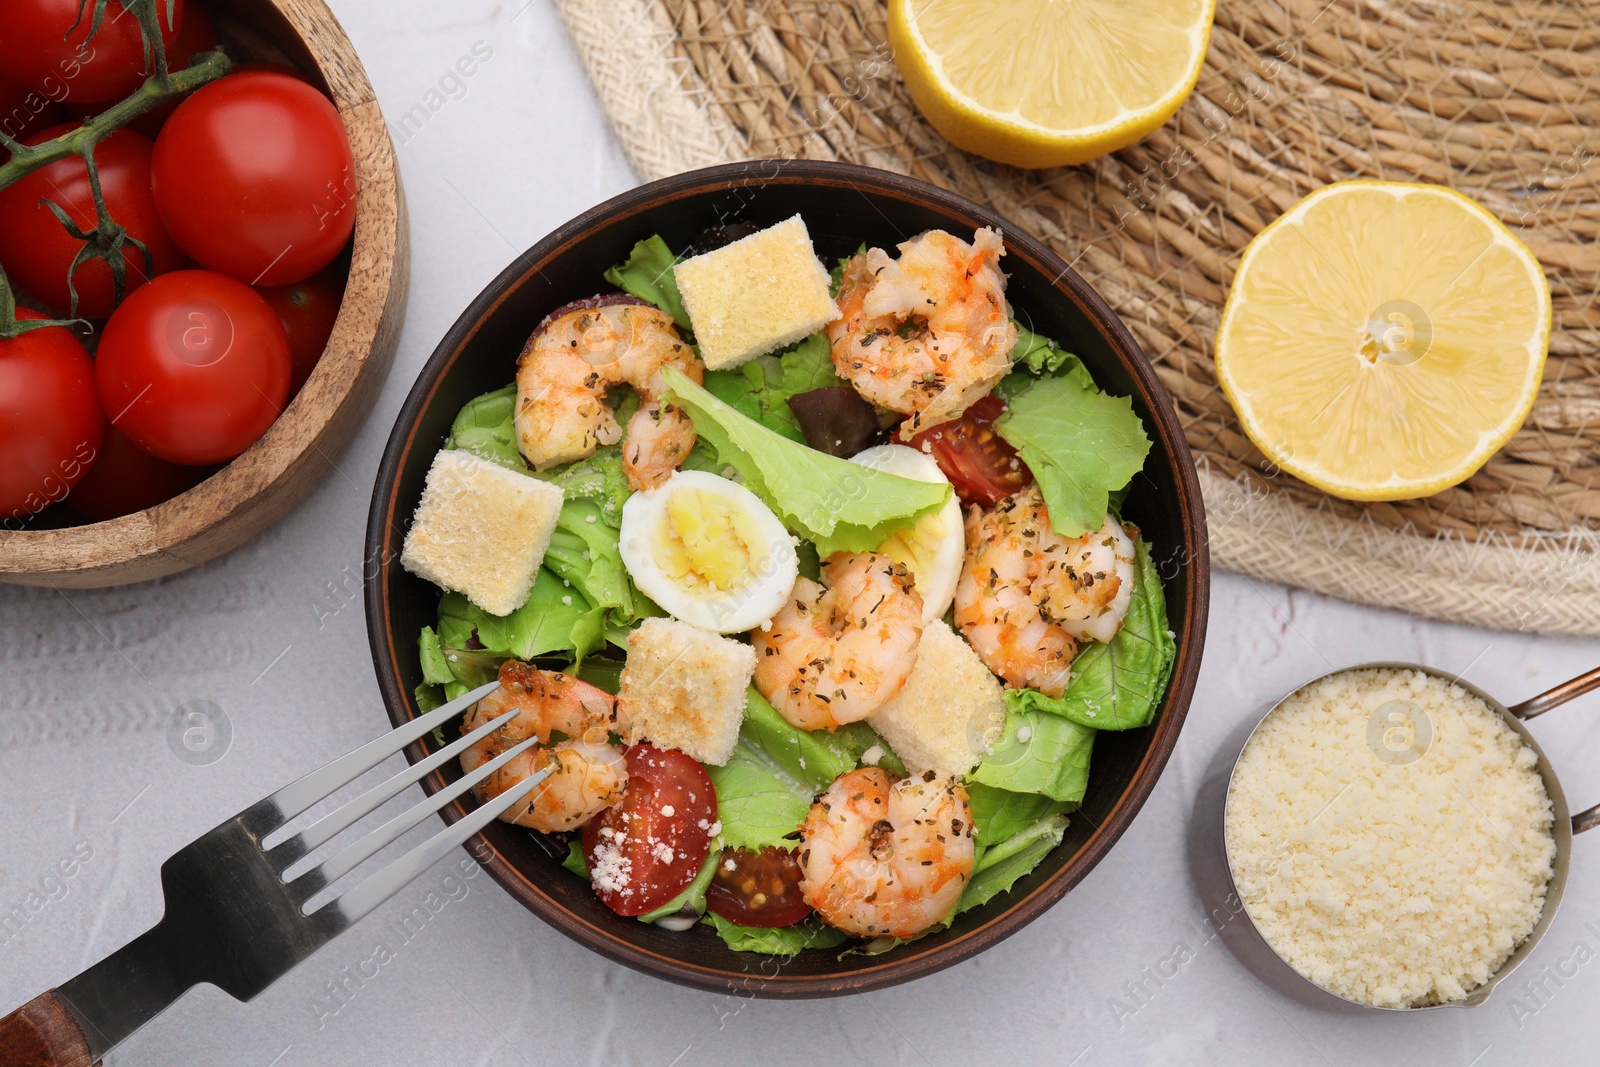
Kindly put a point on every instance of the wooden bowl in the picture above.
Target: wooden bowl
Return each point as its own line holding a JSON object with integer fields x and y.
{"x": 843, "y": 205}
{"x": 299, "y": 450}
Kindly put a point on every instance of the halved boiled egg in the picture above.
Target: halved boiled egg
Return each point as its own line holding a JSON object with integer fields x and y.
{"x": 932, "y": 548}
{"x": 708, "y": 551}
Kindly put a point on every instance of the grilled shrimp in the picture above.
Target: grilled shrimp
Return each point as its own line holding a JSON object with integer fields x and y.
{"x": 836, "y": 655}
{"x": 589, "y": 774}
{"x": 1027, "y": 595}
{"x": 574, "y": 357}
{"x": 884, "y": 857}
{"x": 929, "y": 333}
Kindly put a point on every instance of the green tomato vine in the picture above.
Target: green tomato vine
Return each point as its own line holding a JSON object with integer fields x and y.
{"x": 108, "y": 239}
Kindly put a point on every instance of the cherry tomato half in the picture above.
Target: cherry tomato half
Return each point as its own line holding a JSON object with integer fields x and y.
{"x": 193, "y": 367}
{"x": 253, "y": 177}
{"x": 308, "y": 310}
{"x": 758, "y": 888}
{"x": 982, "y": 466}
{"x": 647, "y": 848}
{"x": 36, "y": 249}
{"x": 50, "y": 423}
{"x": 40, "y": 42}
{"x": 125, "y": 479}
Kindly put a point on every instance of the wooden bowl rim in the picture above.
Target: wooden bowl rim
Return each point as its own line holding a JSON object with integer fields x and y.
{"x": 104, "y": 546}
{"x": 896, "y": 968}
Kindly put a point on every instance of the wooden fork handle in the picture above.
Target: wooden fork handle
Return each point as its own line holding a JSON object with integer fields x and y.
{"x": 43, "y": 1033}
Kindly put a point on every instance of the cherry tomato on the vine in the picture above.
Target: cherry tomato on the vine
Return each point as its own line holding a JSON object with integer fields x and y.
{"x": 758, "y": 888}
{"x": 308, "y": 310}
{"x": 51, "y": 427}
{"x": 22, "y": 111}
{"x": 193, "y": 367}
{"x": 647, "y": 848}
{"x": 40, "y": 42}
{"x": 37, "y": 251}
{"x": 196, "y": 35}
{"x": 125, "y": 479}
{"x": 263, "y": 67}
{"x": 981, "y": 465}
{"x": 253, "y": 177}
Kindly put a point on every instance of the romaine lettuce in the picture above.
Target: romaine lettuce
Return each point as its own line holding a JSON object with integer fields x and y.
{"x": 484, "y": 427}
{"x": 648, "y": 275}
{"x": 999, "y": 866}
{"x": 1038, "y": 753}
{"x": 777, "y": 940}
{"x": 999, "y": 813}
{"x": 1080, "y": 444}
{"x": 839, "y": 505}
{"x": 761, "y": 388}
{"x": 1118, "y": 685}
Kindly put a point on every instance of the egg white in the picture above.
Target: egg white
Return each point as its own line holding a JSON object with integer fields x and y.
{"x": 757, "y": 599}
{"x": 936, "y": 576}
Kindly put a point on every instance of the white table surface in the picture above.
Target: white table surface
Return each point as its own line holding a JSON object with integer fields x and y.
{"x": 274, "y": 636}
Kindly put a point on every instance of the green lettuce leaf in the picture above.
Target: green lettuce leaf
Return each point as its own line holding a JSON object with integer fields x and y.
{"x": 1118, "y": 685}
{"x": 777, "y": 940}
{"x": 556, "y": 618}
{"x": 1038, "y": 753}
{"x": 999, "y": 813}
{"x": 999, "y": 867}
{"x": 435, "y": 668}
{"x": 839, "y": 505}
{"x": 693, "y": 894}
{"x": 760, "y": 389}
{"x": 1039, "y": 355}
{"x": 765, "y": 789}
{"x": 1080, "y": 444}
{"x": 597, "y": 478}
{"x": 484, "y": 428}
{"x": 575, "y": 861}
{"x": 648, "y": 275}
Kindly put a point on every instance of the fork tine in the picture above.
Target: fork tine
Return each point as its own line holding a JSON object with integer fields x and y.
{"x": 399, "y": 873}
{"x": 297, "y": 796}
{"x": 358, "y": 851}
{"x": 329, "y": 825}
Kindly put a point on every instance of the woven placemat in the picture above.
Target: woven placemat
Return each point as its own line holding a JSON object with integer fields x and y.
{"x": 1497, "y": 99}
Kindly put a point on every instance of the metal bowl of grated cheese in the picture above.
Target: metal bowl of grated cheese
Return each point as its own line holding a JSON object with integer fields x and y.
{"x": 1386, "y": 837}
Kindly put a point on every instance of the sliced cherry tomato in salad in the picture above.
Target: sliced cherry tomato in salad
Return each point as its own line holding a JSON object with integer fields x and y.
{"x": 981, "y": 465}
{"x": 194, "y": 367}
{"x": 37, "y": 250}
{"x": 647, "y": 848}
{"x": 254, "y": 178}
{"x": 40, "y": 43}
{"x": 50, "y": 422}
{"x": 758, "y": 888}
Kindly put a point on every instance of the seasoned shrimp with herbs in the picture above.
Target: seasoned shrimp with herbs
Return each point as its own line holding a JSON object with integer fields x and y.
{"x": 929, "y": 333}
{"x": 573, "y": 721}
{"x": 1027, "y": 596}
{"x": 835, "y": 655}
{"x": 881, "y": 857}
{"x": 574, "y": 358}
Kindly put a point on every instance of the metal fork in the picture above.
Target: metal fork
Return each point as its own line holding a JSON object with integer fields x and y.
{"x": 232, "y": 916}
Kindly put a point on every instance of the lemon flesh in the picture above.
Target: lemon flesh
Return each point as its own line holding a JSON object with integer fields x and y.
{"x": 1042, "y": 83}
{"x": 1383, "y": 339}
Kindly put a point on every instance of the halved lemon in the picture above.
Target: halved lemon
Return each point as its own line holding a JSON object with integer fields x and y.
{"x": 1383, "y": 339}
{"x": 1046, "y": 83}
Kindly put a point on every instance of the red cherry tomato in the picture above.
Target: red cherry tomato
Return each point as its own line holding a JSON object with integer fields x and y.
{"x": 193, "y": 367}
{"x": 758, "y": 888}
{"x": 36, "y": 249}
{"x": 50, "y": 422}
{"x": 40, "y": 42}
{"x": 308, "y": 310}
{"x": 125, "y": 479}
{"x": 262, "y": 67}
{"x": 253, "y": 177}
{"x": 981, "y": 465}
{"x": 22, "y": 111}
{"x": 648, "y": 847}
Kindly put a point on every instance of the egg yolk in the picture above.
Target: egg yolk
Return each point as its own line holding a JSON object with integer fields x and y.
{"x": 706, "y": 542}
{"x": 918, "y": 546}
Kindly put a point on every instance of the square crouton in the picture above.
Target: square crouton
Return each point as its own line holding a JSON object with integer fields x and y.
{"x": 684, "y": 688}
{"x": 481, "y": 530}
{"x": 756, "y": 295}
{"x": 949, "y": 711}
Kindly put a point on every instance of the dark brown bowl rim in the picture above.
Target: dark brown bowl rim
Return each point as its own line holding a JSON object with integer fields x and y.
{"x": 905, "y": 963}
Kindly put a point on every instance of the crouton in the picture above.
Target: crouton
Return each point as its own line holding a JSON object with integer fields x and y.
{"x": 949, "y": 711}
{"x": 481, "y": 530}
{"x": 684, "y": 688}
{"x": 756, "y": 295}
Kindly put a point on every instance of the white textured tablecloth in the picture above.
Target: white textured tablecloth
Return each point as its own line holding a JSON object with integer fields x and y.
{"x": 273, "y": 636}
